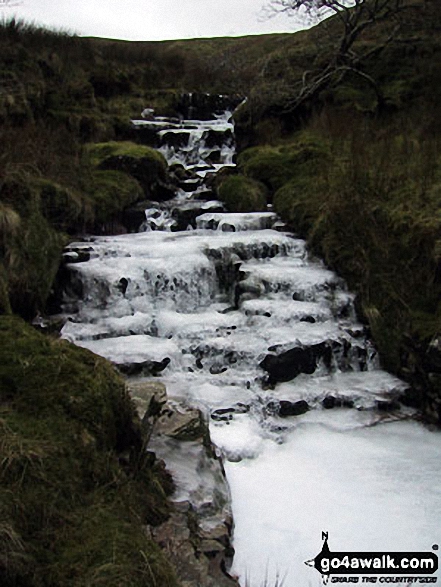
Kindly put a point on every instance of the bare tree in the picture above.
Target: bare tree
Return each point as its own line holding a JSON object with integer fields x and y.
{"x": 352, "y": 18}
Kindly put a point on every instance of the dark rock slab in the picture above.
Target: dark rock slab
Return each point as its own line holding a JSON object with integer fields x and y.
{"x": 286, "y": 365}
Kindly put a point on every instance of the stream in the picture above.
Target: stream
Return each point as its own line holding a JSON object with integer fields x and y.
{"x": 233, "y": 314}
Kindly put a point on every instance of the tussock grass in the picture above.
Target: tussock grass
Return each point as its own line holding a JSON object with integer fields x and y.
{"x": 70, "y": 513}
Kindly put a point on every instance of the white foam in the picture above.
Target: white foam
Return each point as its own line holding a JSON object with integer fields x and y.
{"x": 372, "y": 489}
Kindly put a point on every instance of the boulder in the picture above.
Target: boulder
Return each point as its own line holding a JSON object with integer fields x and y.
{"x": 149, "y": 397}
{"x": 330, "y": 402}
{"x": 286, "y": 365}
{"x": 285, "y": 408}
{"x": 145, "y": 368}
{"x": 181, "y": 423}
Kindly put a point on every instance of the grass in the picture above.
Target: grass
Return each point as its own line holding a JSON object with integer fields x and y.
{"x": 70, "y": 513}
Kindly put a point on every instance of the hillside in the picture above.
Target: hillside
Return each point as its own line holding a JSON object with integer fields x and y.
{"x": 355, "y": 169}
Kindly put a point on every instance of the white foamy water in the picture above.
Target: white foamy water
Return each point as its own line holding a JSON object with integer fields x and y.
{"x": 227, "y": 311}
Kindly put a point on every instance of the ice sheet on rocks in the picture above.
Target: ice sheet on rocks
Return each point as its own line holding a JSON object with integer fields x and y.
{"x": 362, "y": 387}
{"x": 237, "y": 221}
{"x": 206, "y": 392}
{"x": 176, "y": 246}
{"x": 286, "y": 310}
{"x": 198, "y": 478}
{"x": 139, "y": 323}
{"x": 363, "y": 486}
{"x": 133, "y": 349}
{"x": 293, "y": 276}
{"x": 198, "y": 324}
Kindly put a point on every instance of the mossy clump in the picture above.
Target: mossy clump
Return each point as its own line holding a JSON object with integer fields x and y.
{"x": 275, "y": 166}
{"x": 142, "y": 163}
{"x": 242, "y": 194}
{"x": 99, "y": 152}
{"x": 110, "y": 193}
{"x": 72, "y": 510}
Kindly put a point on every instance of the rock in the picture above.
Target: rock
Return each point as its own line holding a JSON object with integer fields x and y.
{"x": 331, "y": 401}
{"x": 288, "y": 364}
{"x": 287, "y": 408}
{"x": 217, "y": 369}
{"x": 181, "y": 423}
{"x": 211, "y": 548}
{"x": 145, "y": 367}
{"x": 199, "y": 561}
{"x": 77, "y": 254}
{"x": 387, "y": 405}
{"x": 149, "y": 397}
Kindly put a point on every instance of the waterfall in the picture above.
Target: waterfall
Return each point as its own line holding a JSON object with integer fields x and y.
{"x": 238, "y": 320}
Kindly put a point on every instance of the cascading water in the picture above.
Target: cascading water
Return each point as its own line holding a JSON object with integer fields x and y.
{"x": 239, "y": 321}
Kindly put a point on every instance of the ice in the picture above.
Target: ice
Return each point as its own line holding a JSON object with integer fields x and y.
{"x": 372, "y": 489}
{"x": 132, "y": 349}
{"x": 363, "y": 388}
{"x": 235, "y": 222}
{"x": 196, "y": 479}
{"x": 286, "y": 311}
{"x": 240, "y": 439}
{"x": 207, "y": 306}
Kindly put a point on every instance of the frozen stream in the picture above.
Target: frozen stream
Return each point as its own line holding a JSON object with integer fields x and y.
{"x": 238, "y": 320}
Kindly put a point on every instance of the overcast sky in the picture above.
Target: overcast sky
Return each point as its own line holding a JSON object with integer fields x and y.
{"x": 152, "y": 20}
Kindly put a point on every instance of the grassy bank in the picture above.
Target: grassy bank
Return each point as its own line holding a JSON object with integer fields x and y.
{"x": 77, "y": 487}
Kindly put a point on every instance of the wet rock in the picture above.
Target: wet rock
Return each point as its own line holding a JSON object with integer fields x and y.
{"x": 199, "y": 561}
{"x": 288, "y": 364}
{"x": 149, "y": 397}
{"x": 309, "y": 319}
{"x": 123, "y": 285}
{"x": 287, "y": 408}
{"x": 77, "y": 255}
{"x": 217, "y": 369}
{"x": 330, "y": 402}
{"x": 145, "y": 367}
{"x": 387, "y": 405}
{"x": 189, "y": 185}
{"x": 185, "y": 216}
{"x": 134, "y": 216}
{"x": 181, "y": 423}
{"x": 175, "y": 139}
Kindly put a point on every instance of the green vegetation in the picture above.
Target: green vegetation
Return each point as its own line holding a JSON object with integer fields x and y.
{"x": 141, "y": 163}
{"x": 356, "y": 170}
{"x": 77, "y": 487}
{"x": 242, "y": 194}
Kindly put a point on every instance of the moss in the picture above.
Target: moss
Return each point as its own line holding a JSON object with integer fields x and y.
{"x": 242, "y": 194}
{"x": 275, "y": 166}
{"x": 142, "y": 163}
{"x": 99, "y": 152}
{"x": 32, "y": 260}
{"x": 111, "y": 192}
{"x": 70, "y": 513}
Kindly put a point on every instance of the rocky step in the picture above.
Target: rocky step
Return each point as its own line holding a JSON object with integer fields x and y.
{"x": 343, "y": 353}
{"x": 366, "y": 390}
{"x": 286, "y": 311}
{"x": 236, "y": 222}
